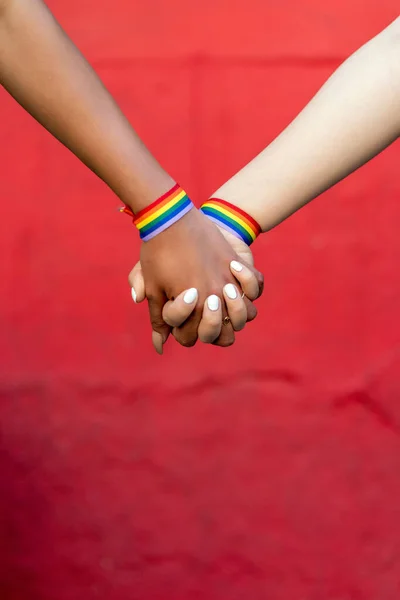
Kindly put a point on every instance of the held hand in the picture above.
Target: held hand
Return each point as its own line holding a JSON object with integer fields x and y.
{"x": 208, "y": 252}
{"x": 239, "y": 308}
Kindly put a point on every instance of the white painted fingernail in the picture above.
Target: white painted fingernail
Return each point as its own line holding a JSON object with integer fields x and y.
{"x": 213, "y": 302}
{"x": 157, "y": 342}
{"x": 236, "y": 266}
{"x": 190, "y": 296}
{"x": 230, "y": 291}
{"x": 133, "y": 294}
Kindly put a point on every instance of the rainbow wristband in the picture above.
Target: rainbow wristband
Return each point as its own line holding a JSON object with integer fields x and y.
{"x": 232, "y": 218}
{"x": 162, "y": 213}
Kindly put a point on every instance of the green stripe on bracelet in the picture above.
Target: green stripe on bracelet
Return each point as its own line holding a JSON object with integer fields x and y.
{"x": 232, "y": 218}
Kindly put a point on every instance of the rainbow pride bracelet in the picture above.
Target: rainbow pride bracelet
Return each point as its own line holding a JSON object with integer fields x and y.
{"x": 161, "y": 214}
{"x": 232, "y": 218}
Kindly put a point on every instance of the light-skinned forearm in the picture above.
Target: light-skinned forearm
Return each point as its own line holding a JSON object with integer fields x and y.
{"x": 353, "y": 117}
{"x": 42, "y": 69}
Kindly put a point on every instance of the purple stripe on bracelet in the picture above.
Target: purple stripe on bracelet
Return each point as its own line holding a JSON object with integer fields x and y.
{"x": 164, "y": 226}
{"x": 226, "y": 227}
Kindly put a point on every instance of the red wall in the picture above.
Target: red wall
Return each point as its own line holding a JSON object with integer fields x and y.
{"x": 270, "y": 470}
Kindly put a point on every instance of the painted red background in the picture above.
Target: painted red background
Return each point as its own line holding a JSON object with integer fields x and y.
{"x": 270, "y": 470}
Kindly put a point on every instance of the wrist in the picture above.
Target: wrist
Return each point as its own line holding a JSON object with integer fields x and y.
{"x": 139, "y": 194}
{"x": 244, "y": 192}
{"x": 268, "y": 201}
{"x": 232, "y": 218}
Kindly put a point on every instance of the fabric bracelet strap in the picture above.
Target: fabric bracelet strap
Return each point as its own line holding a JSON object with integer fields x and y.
{"x": 161, "y": 214}
{"x": 232, "y": 218}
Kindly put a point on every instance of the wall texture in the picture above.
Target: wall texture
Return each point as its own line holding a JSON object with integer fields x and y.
{"x": 270, "y": 470}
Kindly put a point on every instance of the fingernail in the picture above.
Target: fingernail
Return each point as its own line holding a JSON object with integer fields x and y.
{"x": 190, "y": 296}
{"x": 213, "y": 302}
{"x": 133, "y": 294}
{"x": 230, "y": 291}
{"x": 236, "y": 266}
{"x": 157, "y": 342}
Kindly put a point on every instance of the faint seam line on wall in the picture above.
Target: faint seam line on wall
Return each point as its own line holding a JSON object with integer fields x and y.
{"x": 218, "y": 61}
{"x": 364, "y": 399}
{"x": 364, "y": 396}
{"x": 43, "y": 388}
{"x": 216, "y": 382}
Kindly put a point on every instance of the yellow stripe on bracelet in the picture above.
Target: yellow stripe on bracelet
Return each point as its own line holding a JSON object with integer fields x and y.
{"x": 162, "y": 213}
{"x": 146, "y": 219}
{"x": 232, "y": 218}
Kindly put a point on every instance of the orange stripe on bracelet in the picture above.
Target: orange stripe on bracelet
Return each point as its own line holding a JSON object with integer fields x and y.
{"x": 162, "y": 213}
{"x": 232, "y": 218}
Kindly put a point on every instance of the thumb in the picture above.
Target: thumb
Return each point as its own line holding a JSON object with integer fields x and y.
{"x": 136, "y": 281}
{"x": 161, "y": 330}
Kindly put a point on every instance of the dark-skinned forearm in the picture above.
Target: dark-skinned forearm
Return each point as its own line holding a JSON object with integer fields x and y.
{"x": 43, "y": 70}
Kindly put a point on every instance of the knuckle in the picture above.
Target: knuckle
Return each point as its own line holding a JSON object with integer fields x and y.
{"x": 188, "y": 341}
{"x": 239, "y": 324}
{"x": 157, "y": 321}
{"x": 251, "y": 313}
{"x": 152, "y": 296}
{"x": 212, "y": 321}
{"x": 253, "y": 294}
{"x": 225, "y": 343}
{"x": 226, "y": 338}
{"x": 245, "y": 276}
{"x": 207, "y": 336}
{"x": 158, "y": 325}
{"x": 237, "y": 312}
